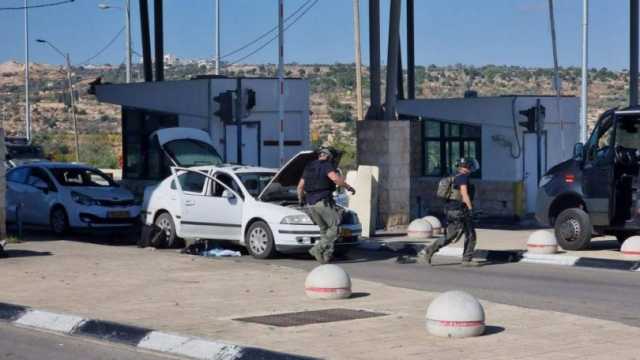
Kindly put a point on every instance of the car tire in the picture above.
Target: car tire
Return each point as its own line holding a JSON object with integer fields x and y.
{"x": 573, "y": 229}
{"x": 164, "y": 221}
{"x": 59, "y": 221}
{"x": 259, "y": 241}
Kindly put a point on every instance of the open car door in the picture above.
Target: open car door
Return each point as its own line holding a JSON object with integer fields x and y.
{"x": 625, "y": 168}
{"x": 209, "y": 206}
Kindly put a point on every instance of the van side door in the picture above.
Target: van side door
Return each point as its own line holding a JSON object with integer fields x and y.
{"x": 597, "y": 171}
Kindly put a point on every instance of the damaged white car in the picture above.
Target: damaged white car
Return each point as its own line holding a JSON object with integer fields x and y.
{"x": 251, "y": 206}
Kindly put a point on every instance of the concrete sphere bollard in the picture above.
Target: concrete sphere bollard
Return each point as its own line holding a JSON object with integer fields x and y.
{"x": 329, "y": 282}
{"x": 419, "y": 229}
{"x": 542, "y": 242}
{"x": 455, "y": 314}
{"x": 435, "y": 223}
{"x": 631, "y": 248}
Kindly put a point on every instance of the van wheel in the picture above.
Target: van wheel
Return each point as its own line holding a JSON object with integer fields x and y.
{"x": 573, "y": 229}
{"x": 259, "y": 240}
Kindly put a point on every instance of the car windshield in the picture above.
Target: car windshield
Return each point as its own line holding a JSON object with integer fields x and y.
{"x": 189, "y": 152}
{"x": 628, "y": 132}
{"x": 255, "y": 182}
{"x": 81, "y": 177}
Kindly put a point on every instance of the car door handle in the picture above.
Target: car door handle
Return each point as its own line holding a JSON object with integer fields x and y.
{"x": 189, "y": 202}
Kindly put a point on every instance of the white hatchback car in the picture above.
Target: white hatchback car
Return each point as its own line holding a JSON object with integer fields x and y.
{"x": 63, "y": 196}
{"x": 251, "y": 206}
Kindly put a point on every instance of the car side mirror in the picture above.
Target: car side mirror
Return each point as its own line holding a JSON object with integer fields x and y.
{"x": 578, "y": 152}
{"x": 228, "y": 195}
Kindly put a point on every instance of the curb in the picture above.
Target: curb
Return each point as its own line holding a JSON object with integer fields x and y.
{"x": 138, "y": 337}
{"x": 511, "y": 256}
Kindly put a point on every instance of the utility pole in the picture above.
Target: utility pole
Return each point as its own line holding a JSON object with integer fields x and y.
{"x": 356, "y": 32}
{"x": 217, "y": 37}
{"x": 281, "y": 79}
{"x": 72, "y": 101}
{"x": 584, "y": 86}
{"x": 556, "y": 73}
{"x": 633, "y": 53}
{"x": 127, "y": 21}
{"x": 27, "y": 106}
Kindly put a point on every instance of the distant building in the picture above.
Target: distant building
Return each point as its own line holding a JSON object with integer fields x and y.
{"x": 170, "y": 59}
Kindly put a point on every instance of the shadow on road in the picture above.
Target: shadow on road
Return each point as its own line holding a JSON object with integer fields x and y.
{"x": 98, "y": 236}
{"x": 492, "y": 330}
{"x": 9, "y": 253}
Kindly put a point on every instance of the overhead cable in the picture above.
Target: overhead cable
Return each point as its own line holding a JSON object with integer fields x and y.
{"x": 57, "y": 3}
{"x": 104, "y": 48}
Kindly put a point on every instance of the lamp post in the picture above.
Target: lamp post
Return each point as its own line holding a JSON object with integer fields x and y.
{"x": 27, "y": 106}
{"x": 127, "y": 22}
{"x": 71, "y": 97}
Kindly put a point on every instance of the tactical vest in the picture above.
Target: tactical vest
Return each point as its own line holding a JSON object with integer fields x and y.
{"x": 316, "y": 179}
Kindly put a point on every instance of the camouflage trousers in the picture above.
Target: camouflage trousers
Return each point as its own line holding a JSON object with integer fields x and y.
{"x": 327, "y": 216}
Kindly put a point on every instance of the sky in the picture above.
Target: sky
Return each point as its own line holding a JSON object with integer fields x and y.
{"x": 510, "y": 32}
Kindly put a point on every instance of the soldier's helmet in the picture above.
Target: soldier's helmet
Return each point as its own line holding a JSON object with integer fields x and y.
{"x": 470, "y": 164}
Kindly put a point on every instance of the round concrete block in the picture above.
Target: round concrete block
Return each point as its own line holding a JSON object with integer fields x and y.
{"x": 542, "y": 242}
{"x": 435, "y": 223}
{"x": 455, "y": 314}
{"x": 419, "y": 229}
{"x": 328, "y": 282}
{"x": 631, "y": 248}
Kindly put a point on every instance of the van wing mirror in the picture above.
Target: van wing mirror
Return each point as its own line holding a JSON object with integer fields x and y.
{"x": 578, "y": 152}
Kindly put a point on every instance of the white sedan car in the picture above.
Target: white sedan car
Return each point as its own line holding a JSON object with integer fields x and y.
{"x": 67, "y": 196}
{"x": 251, "y": 206}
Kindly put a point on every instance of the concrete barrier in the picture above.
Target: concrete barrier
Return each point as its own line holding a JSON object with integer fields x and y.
{"x": 419, "y": 229}
{"x": 455, "y": 314}
{"x": 542, "y": 242}
{"x": 631, "y": 248}
{"x": 435, "y": 223}
{"x": 328, "y": 282}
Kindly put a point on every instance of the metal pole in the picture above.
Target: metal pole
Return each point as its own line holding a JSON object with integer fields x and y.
{"x": 127, "y": 21}
{"x": 374, "y": 60}
{"x": 217, "y": 37}
{"x": 159, "y": 39}
{"x": 27, "y": 106}
{"x": 73, "y": 107}
{"x": 356, "y": 34}
{"x": 146, "y": 40}
{"x": 585, "y": 83}
{"x": 238, "y": 116}
{"x": 281, "y": 79}
{"x": 400, "y": 72}
{"x": 556, "y": 73}
{"x": 392, "y": 60}
{"x": 411, "y": 57}
{"x": 633, "y": 53}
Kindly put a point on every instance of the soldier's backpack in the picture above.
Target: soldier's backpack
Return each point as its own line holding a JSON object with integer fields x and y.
{"x": 446, "y": 191}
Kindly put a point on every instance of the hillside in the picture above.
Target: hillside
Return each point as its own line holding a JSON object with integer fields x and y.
{"x": 332, "y": 98}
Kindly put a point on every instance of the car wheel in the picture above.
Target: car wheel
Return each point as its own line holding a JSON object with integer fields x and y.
{"x": 259, "y": 240}
{"x": 165, "y": 223}
{"x": 573, "y": 229}
{"x": 59, "y": 221}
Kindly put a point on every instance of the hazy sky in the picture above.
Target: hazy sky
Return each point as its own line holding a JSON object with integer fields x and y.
{"x": 514, "y": 32}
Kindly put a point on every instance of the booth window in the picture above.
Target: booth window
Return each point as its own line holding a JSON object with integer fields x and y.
{"x": 445, "y": 142}
{"x": 143, "y": 159}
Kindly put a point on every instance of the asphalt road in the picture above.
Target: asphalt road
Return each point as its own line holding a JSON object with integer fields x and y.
{"x": 598, "y": 293}
{"x": 25, "y": 344}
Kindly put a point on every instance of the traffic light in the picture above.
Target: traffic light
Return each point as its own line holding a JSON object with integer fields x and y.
{"x": 251, "y": 99}
{"x": 535, "y": 115}
{"x": 225, "y": 106}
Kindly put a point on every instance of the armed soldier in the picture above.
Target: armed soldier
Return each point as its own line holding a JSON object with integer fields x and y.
{"x": 319, "y": 180}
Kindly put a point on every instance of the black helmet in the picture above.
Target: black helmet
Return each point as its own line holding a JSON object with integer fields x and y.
{"x": 470, "y": 164}
{"x": 326, "y": 151}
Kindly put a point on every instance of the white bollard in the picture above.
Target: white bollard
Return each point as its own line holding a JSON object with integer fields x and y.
{"x": 329, "y": 282}
{"x": 631, "y": 248}
{"x": 419, "y": 229}
{"x": 435, "y": 223}
{"x": 455, "y": 314}
{"x": 542, "y": 242}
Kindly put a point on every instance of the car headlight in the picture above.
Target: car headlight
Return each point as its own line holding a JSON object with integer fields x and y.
{"x": 83, "y": 199}
{"x": 545, "y": 180}
{"x": 301, "y": 219}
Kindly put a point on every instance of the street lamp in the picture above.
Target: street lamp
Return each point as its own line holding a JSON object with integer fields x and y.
{"x": 72, "y": 100}
{"x": 127, "y": 22}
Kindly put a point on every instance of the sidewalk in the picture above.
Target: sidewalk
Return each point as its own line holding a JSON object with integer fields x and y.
{"x": 200, "y": 297}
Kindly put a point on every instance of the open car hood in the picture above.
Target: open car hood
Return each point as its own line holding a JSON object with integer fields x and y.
{"x": 176, "y": 133}
{"x": 291, "y": 172}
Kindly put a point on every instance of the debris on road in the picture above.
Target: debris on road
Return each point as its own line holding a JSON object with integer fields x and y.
{"x": 217, "y": 252}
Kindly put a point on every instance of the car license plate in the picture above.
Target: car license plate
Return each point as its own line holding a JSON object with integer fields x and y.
{"x": 118, "y": 214}
{"x": 345, "y": 232}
